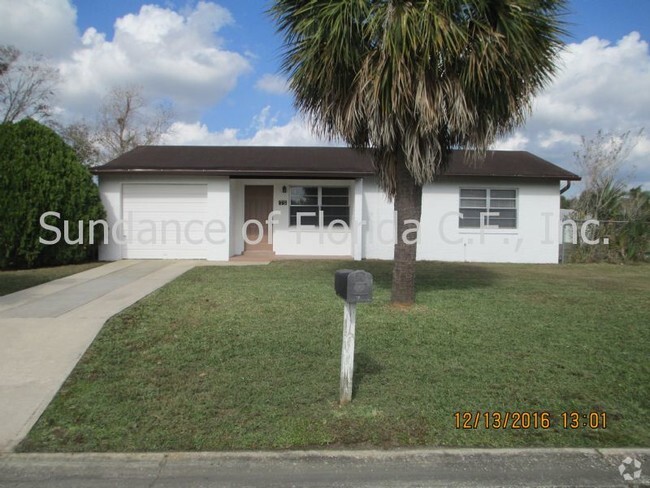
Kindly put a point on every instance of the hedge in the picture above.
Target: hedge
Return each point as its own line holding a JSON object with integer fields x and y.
{"x": 40, "y": 173}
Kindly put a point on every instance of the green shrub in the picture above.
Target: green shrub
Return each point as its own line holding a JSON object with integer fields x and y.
{"x": 40, "y": 173}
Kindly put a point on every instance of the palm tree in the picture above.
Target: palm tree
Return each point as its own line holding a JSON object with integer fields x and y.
{"x": 414, "y": 79}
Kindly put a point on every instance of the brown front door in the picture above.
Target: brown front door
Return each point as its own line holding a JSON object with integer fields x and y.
{"x": 258, "y": 204}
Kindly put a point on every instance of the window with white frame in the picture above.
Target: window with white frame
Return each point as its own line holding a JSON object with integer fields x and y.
{"x": 475, "y": 202}
{"x": 333, "y": 201}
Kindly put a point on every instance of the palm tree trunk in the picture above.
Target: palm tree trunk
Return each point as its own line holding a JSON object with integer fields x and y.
{"x": 408, "y": 205}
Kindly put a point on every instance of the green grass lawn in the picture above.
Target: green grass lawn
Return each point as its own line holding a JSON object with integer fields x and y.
{"x": 12, "y": 281}
{"x": 248, "y": 358}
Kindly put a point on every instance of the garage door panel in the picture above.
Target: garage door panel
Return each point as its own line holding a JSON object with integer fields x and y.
{"x": 147, "y": 206}
{"x": 160, "y": 221}
{"x": 151, "y": 190}
{"x": 169, "y": 219}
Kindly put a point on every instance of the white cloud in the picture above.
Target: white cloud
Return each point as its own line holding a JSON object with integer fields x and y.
{"x": 177, "y": 55}
{"x": 170, "y": 55}
{"x": 515, "y": 142}
{"x": 47, "y": 27}
{"x": 266, "y": 132}
{"x": 198, "y": 134}
{"x": 294, "y": 133}
{"x": 264, "y": 119}
{"x": 642, "y": 148}
{"x": 554, "y": 137}
{"x": 601, "y": 85}
{"x": 273, "y": 84}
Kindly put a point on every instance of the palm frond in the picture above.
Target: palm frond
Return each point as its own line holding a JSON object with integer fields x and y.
{"x": 415, "y": 79}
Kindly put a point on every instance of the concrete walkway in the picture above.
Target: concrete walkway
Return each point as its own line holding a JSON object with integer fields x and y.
{"x": 376, "y": 469}
{"x": 45, "y": 330}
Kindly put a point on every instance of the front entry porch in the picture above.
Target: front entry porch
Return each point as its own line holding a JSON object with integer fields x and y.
{"x": 258, "y": 204}
{"x": 274, "y": 219}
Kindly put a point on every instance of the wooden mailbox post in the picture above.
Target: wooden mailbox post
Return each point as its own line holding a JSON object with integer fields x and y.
{"x": 354, "y": 287}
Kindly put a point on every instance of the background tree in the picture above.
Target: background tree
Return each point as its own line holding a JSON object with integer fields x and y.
{"x": 40, "y": 173}
{"x": 566, "y": 202}
{"x": 624, "y": 215}
{"x": 414, "y": 80}
{"x": 82, "y": 138}
{"x": 126, "y": 120}
{"x": 631, "y": 241}
{"x": 27, "y": 84}
{"x": 600, "y": 161}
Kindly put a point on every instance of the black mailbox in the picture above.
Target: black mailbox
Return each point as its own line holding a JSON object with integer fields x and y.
{"x": 353, "y": 286}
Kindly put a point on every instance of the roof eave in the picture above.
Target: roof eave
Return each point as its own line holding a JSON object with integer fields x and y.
{"x": 247, "y": 173}
{"x": 563, "y": 177}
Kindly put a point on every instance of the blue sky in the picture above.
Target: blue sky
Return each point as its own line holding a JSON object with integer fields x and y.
{"x": 607, "y": 19}
{"x": 254, "y": 31}
{"x": 218, "y": 62}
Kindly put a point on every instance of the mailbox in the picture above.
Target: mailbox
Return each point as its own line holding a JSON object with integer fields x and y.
{"x": 353, "y": 286}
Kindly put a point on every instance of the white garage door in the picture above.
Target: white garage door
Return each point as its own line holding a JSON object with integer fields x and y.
{"x": 164, "y": 221}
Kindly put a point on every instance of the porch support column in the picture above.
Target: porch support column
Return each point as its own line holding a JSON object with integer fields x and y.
{"x": 357, "y": 221}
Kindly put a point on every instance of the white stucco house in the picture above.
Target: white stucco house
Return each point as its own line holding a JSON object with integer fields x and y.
{"x": 215, "y": 203}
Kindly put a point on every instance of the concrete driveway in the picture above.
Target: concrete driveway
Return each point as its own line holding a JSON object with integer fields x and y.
{"x": 45, "y": 330}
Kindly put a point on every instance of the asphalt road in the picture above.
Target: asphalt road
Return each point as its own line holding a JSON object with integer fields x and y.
{"x": 414, "y": 468}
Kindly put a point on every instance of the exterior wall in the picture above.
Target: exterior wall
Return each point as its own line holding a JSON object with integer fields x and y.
{"x": 110, "y": 191}
{"x": 379, "y": 223}
{"x": 291, "y": 241}
{"x": 217, "y": 213}
{"x": 535, "y": 240}
{"x": 237, "y": 217}
{"x": 371, "y": 235}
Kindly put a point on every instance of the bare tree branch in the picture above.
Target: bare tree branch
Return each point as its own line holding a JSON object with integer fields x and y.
{"x": 81, "y": 137}
{"x": 126, "y": 121}
{"x": 8, "y": 55}
{"x": 601, "y": 161}
{"x": 27, "y": 84}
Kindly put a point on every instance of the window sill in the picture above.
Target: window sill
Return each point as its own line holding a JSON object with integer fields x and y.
{"x": 499, "y": 232}
{"x": 309, "y": 230}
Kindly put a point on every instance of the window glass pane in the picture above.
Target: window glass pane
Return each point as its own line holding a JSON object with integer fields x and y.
{"x": 468, "y": 223}
{"x": 473, "y": 202}
{"x": 335, "y": 210}
{"x": 327, "y": 201}
{"x": 500, "y": 203}
{"x": 304, "y": 190}
{"x": 335, "y": 191}
{"x": 467, "y": 193}
{"x": 334, "y": 203}
{"x": 503, "y": 193}
{"x": 503, "y": 214}
{"x": 335, "y": 213}
{"x": 303, "y": 208}
{"x": 503, "y": 223}
{"x": 304, "y": 220}
{"x": 304, "y": 195}
{"x": 471, "y": 213}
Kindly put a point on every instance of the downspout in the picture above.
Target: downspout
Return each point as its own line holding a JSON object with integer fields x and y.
{"x": 563, "y": 190}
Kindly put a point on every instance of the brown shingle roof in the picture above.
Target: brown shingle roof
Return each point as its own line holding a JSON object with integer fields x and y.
{"x": 318, "y": 162}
